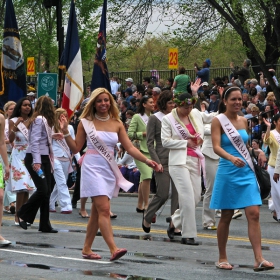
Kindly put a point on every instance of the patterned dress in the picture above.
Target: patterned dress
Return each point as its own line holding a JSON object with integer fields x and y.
{"x": 19, "y": 179}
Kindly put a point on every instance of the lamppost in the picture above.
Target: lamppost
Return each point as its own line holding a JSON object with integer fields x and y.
{"x": 59, "y": 28}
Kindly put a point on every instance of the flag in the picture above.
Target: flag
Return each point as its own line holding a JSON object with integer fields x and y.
{"x": 100, "y": 75}
{"x": 13, "y": 76}
{"x": 71, "y": 63}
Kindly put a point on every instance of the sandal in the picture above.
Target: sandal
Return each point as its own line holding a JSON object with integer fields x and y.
{"x": 224, "y": 265}
{"x": 263, "y": 267}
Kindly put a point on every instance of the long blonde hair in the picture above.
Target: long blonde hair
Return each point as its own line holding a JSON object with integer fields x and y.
{"x": 90, "y": 110}
{"x": 58, "y": 112}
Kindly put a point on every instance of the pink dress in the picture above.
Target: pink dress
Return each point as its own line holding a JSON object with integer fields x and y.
{"x": 97, "y": 178}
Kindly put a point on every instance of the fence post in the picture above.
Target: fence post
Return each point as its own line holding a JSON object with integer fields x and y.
{"x": 141, "y": 76}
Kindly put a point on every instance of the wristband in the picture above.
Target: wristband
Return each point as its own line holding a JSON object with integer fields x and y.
{"x": 66, "y": 135}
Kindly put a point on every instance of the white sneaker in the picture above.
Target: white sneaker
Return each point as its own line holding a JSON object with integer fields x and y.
{"x": 5, "y": 242}
{"x": 218, "y": 213}
{"x": 237, "y": 214}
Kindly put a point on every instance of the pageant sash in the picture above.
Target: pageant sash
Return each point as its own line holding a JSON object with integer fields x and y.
{"x": 65, "y": 148}
{"x": 144, "y": 118}
{"x": 235, "y": 139}
{"x": 276, "y": 135}
{"x": 22, "y": 128}
{"x": 49, "y": 133}
{"x": 184, "y": 134}
{"x": 103, "y": 150}
{"x": 159, "y": 115}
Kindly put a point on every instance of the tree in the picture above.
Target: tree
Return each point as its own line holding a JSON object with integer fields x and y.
{"x": 257, "y": 22}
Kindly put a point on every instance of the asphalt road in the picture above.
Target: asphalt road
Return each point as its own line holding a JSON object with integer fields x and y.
{"x": 35, "y": 255}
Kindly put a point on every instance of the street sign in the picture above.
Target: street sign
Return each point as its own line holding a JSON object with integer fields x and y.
{"x": 47, "y": 85}
{"x": 173, "y": 58}
{"x": 30, "y": 66}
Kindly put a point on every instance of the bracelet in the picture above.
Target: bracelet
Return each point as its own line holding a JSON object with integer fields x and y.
{"x": 147, "y": 161}
{"x": 66, "y": 135}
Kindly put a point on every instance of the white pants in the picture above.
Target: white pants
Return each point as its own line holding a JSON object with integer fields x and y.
{"x": 275, "y": 192}
{"x": 60, "y": 190}
{"x": 208, "y": 215}
{"x": 187, "y": 180}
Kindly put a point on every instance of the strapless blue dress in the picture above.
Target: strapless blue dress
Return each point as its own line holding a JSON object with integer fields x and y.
{"x": 234, "y": 188}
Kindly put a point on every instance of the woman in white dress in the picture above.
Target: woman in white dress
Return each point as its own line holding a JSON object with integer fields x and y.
{"x": 9, "y": 197}
{"x": 101, "y": 127}
{"x": 20, "y": 180}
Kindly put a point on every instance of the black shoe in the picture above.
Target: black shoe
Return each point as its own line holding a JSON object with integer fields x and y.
{"x": 50, "y": 231}
{"x": 140, "y": 210}
{"x": 189, "y": 241}
{"x": 13, "y": 209}
{"x": 170, "y": 230}
{"x": 146, "y": 229}
{"x": 178, "y": 233}
{"x": 74, "y": 205}
{"x": 23, "y": 224}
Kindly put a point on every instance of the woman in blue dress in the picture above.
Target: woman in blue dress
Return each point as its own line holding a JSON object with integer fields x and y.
{"x": 235, "y": 185}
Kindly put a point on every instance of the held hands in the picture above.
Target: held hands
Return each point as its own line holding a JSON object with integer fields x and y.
{"x": 237, "y": 161}
{"x": 153, "y": 165}
{"x": 160, "y": 168}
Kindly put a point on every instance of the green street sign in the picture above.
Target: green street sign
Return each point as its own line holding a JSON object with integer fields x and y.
{"x": 47, "y": 85}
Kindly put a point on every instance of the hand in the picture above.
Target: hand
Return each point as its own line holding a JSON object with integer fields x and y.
{"x": 20, "y": 119}
{"x": 192, "y": 143}
{"x": 57, "y": 136}
{"x": 36, "y": 167}
{"x": 63, "y": 122}
{"x": 267, "y": 123}
{"x": 144, "y": 134}
{"x": 275, "y": 177}
{"x": 160, "y": 168}
{"x": 221, "y": 91}
{"x": 153, "y": 164}
{"x": 231, "y": 65}
{"x": 195, "y": 85}
{"x": 262, "y": 159}
{"x": 237, "y": 161}
{"x": 6, "y": 173}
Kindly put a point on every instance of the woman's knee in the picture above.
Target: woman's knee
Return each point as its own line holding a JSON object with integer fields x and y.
{"x": 253, "y": 213}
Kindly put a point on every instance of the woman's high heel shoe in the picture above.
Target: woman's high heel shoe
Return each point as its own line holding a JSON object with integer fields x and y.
{"x": 146, "y": 229}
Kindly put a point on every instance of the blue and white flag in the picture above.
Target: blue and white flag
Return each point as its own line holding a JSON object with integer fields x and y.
{"x": 13, "y": 76}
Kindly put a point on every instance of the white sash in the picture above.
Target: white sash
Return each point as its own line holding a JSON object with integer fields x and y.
{"x": 184, "y": 134}
{"x": 49, "y": 133}
{"x": 63, "y": 145}
{"x": 235, "y": 139}
{"x": 276, "y": 135}
{"x": 159, "y": 115}
{"x": 103, "y": 150}
{"x": 144, "y": 118}
{"x": 22, "y": 128}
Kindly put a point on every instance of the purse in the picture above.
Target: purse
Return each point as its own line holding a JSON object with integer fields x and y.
{"x": 135, "y": 141}
{"x": 262, "y": 176}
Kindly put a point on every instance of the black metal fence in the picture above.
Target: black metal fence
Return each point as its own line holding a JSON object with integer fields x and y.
{"x": 138, "y": 75}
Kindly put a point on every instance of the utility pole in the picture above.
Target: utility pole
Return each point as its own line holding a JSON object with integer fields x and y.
{"x": 59, "y": 28}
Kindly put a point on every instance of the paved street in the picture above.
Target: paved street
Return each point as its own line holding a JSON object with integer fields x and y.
{"x": 35, "y": 255}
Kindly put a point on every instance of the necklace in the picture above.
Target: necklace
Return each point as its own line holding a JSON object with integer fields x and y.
{"x": 103, "y": 119}
{"x": 26, "y": 120}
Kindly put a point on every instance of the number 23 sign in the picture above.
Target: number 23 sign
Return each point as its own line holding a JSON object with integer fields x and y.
{"x": 173, "y": 58}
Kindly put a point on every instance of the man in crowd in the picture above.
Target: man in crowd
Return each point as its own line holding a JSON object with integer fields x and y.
{"x": 32, "y": 97}
{"x": 242, "y": 73}
{"x": 129, "y": 84}
{"x": 214, "y": 102}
